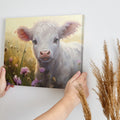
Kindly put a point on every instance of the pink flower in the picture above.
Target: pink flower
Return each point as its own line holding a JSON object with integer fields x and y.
{"x": 16, "y": 65}
{"x": 42, "y": 69}
{"x": 24, "y": 71}
{"x": 17, "y": 80}
{"x": 10, "y": 59}
{"x": 35, "y": 82}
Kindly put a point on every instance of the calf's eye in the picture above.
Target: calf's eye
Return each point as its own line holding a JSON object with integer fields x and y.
{"x": 34, "y": 41}
{"x": 55, "y": 40}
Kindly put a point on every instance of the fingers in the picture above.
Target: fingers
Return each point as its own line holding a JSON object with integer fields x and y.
{"x": 7, "y": 88}
{"x": 1, "y": 95}
{"x": 0, "y": 70}
{"x": 82, "y": 77}
{"x": 75, "y": 76}
{"x": 81, "y": 80}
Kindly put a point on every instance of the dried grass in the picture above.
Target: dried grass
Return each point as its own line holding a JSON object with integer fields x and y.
{"x": 86, "y": 109}
{"x": 108, "y": 84}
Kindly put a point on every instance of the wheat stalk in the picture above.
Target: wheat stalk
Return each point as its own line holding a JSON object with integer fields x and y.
{"x": 108, "y": 88}
{"x": 86, "y": 109}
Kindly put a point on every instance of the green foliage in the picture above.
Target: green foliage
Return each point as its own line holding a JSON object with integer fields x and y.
{"x": 17, "y": 57}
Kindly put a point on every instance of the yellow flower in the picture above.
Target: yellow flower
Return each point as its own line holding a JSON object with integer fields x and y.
{"x": 54, "y": 79}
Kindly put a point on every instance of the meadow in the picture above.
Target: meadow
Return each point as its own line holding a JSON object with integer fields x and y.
{"x": 19, "y": 59}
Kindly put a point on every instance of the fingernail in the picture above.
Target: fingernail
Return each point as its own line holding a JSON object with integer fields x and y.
{"x": 78, "y": 73}
{"x": 3, "y": 69}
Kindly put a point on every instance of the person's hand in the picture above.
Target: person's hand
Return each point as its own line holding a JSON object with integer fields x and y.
{"x": 64, "y": 107}
{"x": 71, "y": 93}
{"x": 3, "y": 84}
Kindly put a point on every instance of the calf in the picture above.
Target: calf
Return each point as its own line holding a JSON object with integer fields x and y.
{"x": 57, "y": 57}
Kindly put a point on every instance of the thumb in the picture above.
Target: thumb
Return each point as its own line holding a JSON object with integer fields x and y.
{"x": 3, "y": 73}
{"x": 2, "y": 81}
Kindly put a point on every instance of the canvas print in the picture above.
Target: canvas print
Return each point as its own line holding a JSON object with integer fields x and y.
{"x": 43, "y": 51}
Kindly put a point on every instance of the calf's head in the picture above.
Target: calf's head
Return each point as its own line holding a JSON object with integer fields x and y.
{"x": 46, "y": 38}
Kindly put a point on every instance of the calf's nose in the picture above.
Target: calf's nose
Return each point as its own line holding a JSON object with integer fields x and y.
{"x": 44, "y": 54}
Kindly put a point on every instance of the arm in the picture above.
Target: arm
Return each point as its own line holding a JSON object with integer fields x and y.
{"x": 64, "y": 107}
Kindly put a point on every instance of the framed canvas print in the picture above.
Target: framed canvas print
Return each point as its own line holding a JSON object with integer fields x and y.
{"x": 43, "y": 51}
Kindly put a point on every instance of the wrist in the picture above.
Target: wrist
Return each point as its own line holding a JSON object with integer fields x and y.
{"x": 70, "y": 101}
{"x": 67, "y": 105}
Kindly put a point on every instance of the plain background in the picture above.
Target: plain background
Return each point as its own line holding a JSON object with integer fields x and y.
{"x": 102, "y": 22}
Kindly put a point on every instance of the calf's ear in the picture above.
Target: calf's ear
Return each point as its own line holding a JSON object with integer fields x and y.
{"x": 68, "y": 29}
{"x": 24, "y": 33}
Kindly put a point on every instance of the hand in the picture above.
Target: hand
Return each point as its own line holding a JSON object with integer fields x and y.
{"x": 3, "y": 84}
{"x": 71, "y": 93}
{"x": 64, "y": 107}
